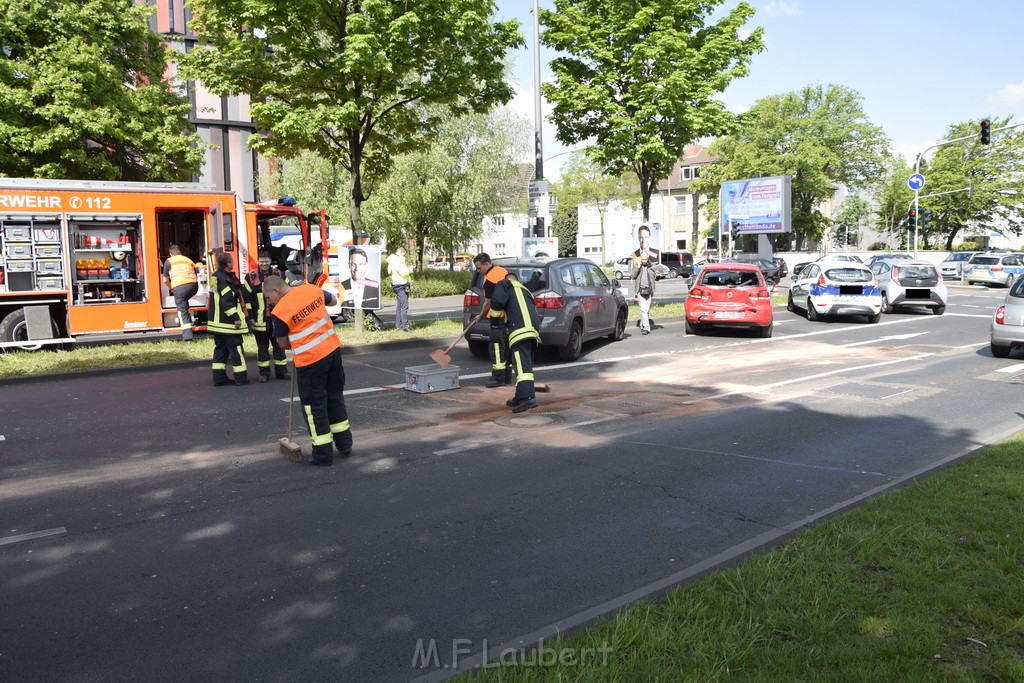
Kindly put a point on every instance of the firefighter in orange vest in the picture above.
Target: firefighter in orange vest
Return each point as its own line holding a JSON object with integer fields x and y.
{"x": 301, "y": 323}
{"x": 183, "y": 282}
{"x": 497, "y": 339}
{"x": 227, "y": 324}
{"x": 259, "y": 319}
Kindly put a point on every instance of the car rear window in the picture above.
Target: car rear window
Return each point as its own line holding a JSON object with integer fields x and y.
{"x": 921, "y": 272}
{"x": 848, "y": 275}
{"x": 728, "y": 278}
{"x": 985, "y": 260}
{"x": 535, "y": 279}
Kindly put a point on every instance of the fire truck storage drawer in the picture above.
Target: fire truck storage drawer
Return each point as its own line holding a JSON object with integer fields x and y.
{"x": 48, "y": 282}
{"x": 47, "y": 250}
{"x": 19, "y": 266}
{"x": 51, "y": 234}
{"x": 18, "y": 249}
{"x": 48, "y": 265}
{"x": 19, "y": 232}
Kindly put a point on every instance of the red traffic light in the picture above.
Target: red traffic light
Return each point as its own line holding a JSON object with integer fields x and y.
{"x": 985, "y": 132}
{"x": 912, "y": 214}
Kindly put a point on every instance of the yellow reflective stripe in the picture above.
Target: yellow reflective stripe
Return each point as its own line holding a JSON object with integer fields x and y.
{"x": 339, "y": 427}
{"x": 525, "y": 377}
{"x": 220, "y": 366}
{"x": 239, "y": 368}
{"x": 281, "y": 362}
{"x": 231, "y": 311}
{"x": 263, "y": 363}
{"x": 525, "y": 333}
{"x": 313, "y": 342}
{"x": 318, "y": 440}
{"x": 309, "y": 330}
{"x": 518, "y": 362}
{"x": 226, "y": 290}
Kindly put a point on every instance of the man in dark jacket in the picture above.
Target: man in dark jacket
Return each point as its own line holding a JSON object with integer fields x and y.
{"x": 259, "y": 319}
{"x": 522, "y": 321}
{"x": 227, "y": 324}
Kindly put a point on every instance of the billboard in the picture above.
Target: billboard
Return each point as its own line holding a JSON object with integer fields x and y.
{"x": 755, "y": 205}
{"x": 359, "y": 270}
{"x": 539, "y": 247}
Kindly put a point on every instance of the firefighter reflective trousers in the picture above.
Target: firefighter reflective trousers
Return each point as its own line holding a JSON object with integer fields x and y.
{"x": 227, "y": 348}
{"x": 321, "y": 386}
{"x": 182, "y": 293}
{"x": 497, "y": 345}
{"x": 265, "y": 344}
{"x": 522, "y": 362}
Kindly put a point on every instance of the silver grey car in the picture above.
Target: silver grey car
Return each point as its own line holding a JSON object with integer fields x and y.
{"x": 953, "y": 267}
{"x": 575, "y": 299}
{"x": 1006, "y": 329}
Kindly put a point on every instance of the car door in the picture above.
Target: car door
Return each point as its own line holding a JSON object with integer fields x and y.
{"x": 605, "y": 294}
{"x": 581, "y": 296}
{"x": 805, "y": 279}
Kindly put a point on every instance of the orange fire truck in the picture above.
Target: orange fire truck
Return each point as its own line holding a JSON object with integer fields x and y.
{"x": 83, "y": 260}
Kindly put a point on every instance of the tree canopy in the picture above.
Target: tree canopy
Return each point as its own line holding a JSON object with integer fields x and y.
{"x": 82, "y": 95}
{"x": 819, "y": 136}
{"x": 639, "y": 79}
{"x": 354, "y": 82}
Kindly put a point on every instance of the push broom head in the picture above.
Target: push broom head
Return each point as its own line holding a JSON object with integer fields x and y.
{"x": 290, "y": 449}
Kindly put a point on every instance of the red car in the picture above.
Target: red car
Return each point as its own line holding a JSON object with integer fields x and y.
{"x": 729, "y": 295}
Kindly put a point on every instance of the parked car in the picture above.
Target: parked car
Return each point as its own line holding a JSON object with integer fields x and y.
{"x": 953, "y": 266}
{"x": 831, "y": 257}
{"x": 679, "y": 263}
{"x": 993, "y": 268}
{"x": 906, "y": 284}
{"x": 575, "y": 299}
{"x": 623, "y": 269}
{"x": 874, "y": 258}
{"x": 769, "y": 270}
{"x": 729, "y": 295}
{"x": 1006, "y": 329}
{"x": 836, "y": 288}
{"x": 463, "y": 262}
{"x": 783, "y": 268}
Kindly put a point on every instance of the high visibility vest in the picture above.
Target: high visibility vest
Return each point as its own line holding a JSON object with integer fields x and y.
{"x": 182, "y": 271}
{"x": 310, "y": 330}
{"x": 495, "y": 274}
{"x": 223, "y": 311}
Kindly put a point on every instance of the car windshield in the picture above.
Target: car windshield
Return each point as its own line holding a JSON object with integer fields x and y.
{"x": 1017, "y": 290}
{"x": 534, "y": 278}
{"x": 848, "y": 275}
{"x": 728, "y": 278}
{"x": 985, "y": 260}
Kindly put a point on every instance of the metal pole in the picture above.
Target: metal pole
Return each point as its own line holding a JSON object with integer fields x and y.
{"x": 538, "y": 143}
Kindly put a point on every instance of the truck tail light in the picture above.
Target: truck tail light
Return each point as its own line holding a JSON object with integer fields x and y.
{"x": 470, "y": 299}
{"x": 549, "y": 300}
{"x": 1001, "y": 315}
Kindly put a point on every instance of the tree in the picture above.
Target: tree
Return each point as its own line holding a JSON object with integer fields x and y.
{"x": 82, "y": 95}
{"x": 584, "y": 182}
{"x": 995, "y": 171}
{"x": 440, "y": 195}
{"x": 852, "y": 213}
{"x": 565, "y": 225}
{"x": 313, "y": 181}
{"x": 355, "y": 82}
{"x": 820, "y": 137}
{"x": 893, "y": 196}
{"x": 640, "y": 78}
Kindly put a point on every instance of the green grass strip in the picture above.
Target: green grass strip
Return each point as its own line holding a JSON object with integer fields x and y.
{"x": 924, "y": 584}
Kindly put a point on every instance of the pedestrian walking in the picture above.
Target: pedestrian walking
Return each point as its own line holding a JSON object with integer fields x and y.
{"x": 227, "y": 324}
{"x": 400, "y": 270}
{"x": 643, "y": 281}
{"x": 497, "y": 338}
{"x": 301, "y": 323}
{"x": 522, "y": 321}
{"x": 182, "y": 280}
{"x": 259, "y": 319}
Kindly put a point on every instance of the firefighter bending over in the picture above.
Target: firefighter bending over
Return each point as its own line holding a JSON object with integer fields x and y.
{"x": 227, "y": 324}
{"x": 259, "y": 319}
{"x": 301, "y": 323}
{"x": 183, "y": 283}
{"x": 497, "y": 337}
{"x": 522, "y": 320}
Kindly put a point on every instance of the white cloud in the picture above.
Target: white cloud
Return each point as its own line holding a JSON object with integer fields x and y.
{"x": 783, "y": 9}
{"x": 910, "y": 150}
{"x": 1010, "y": 96}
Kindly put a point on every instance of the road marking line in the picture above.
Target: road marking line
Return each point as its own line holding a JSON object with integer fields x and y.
{"x": 898, "y": 393}
{"x": 1012, "y": 369}
{"x": 2, "y": 438}
{"x": 967, "y": 315}
{"x": 970, "y": 346}
{"x": 891, "y": 337}
{"x": 35, "y": 534}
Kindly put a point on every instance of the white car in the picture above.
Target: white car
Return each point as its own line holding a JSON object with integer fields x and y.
{"x": 953, "y": 267}
{"x": 994, "y": 268}
{"x": 836, "y": 288}
{"x": 910, "y": 284}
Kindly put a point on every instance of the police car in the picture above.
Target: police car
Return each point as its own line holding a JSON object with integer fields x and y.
{"x": 993, "y": 268}
{"x": 836, "y": 288}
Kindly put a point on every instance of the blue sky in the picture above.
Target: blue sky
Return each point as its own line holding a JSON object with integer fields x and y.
{"x": 919, "y": 66}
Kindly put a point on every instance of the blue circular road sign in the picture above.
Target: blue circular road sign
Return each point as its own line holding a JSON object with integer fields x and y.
{"x": 915, "y": 182}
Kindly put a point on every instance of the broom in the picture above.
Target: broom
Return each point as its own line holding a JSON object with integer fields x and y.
{"x": 289, "y": 448}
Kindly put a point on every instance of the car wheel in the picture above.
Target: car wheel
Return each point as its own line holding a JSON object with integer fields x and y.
{"x": 1000, "y": 351}
{"x": 14, "y": 328}
{"x": 766, "y": 331}
{"x": 968, "y": 283}
{"x": 672, "y": 273}
{"x": 790, "y": 306}
{"x": 478, "y": 349}
{"x": 572, "y": 350}
{"x": 620, "y": 327}
{"x": 939, "y": 310}
{"x": 690, "y": 327}
{"x": 619, "y": 275}
{"x": 886, "y": 308}
{"x": 811, "y": 313}
{"x": 874, "y": 318}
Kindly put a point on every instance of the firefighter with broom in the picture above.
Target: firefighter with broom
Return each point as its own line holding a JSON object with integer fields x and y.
{"x": 512, "y": 298}
{"x": 301, "y": 323}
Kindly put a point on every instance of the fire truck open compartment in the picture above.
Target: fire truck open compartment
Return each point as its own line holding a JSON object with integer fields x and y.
{"x": 106, "y": 258}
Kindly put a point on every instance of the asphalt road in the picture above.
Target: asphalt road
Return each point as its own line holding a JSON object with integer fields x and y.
{"x": 150, "y": 529}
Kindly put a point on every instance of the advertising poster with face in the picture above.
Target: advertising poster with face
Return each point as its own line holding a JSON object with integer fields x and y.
{"x": 646, "y": 238}
{"x": 361, "y": 277}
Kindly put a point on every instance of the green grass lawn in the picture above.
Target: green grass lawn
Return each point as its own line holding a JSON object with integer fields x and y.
{"x": 924, "y": 584}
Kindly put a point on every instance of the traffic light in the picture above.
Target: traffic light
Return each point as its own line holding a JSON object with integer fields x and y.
{"x": 735, "y": 233}
{"x": 986, "y": 134}
{"x": 841, "y": 238}
{"x": 926, "y": 219}
{"x": 911, "y": 219}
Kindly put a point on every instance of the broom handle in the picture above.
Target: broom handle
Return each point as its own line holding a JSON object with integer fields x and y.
{"x": 452, "y": 345}
{"x": 291, "y": 402}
